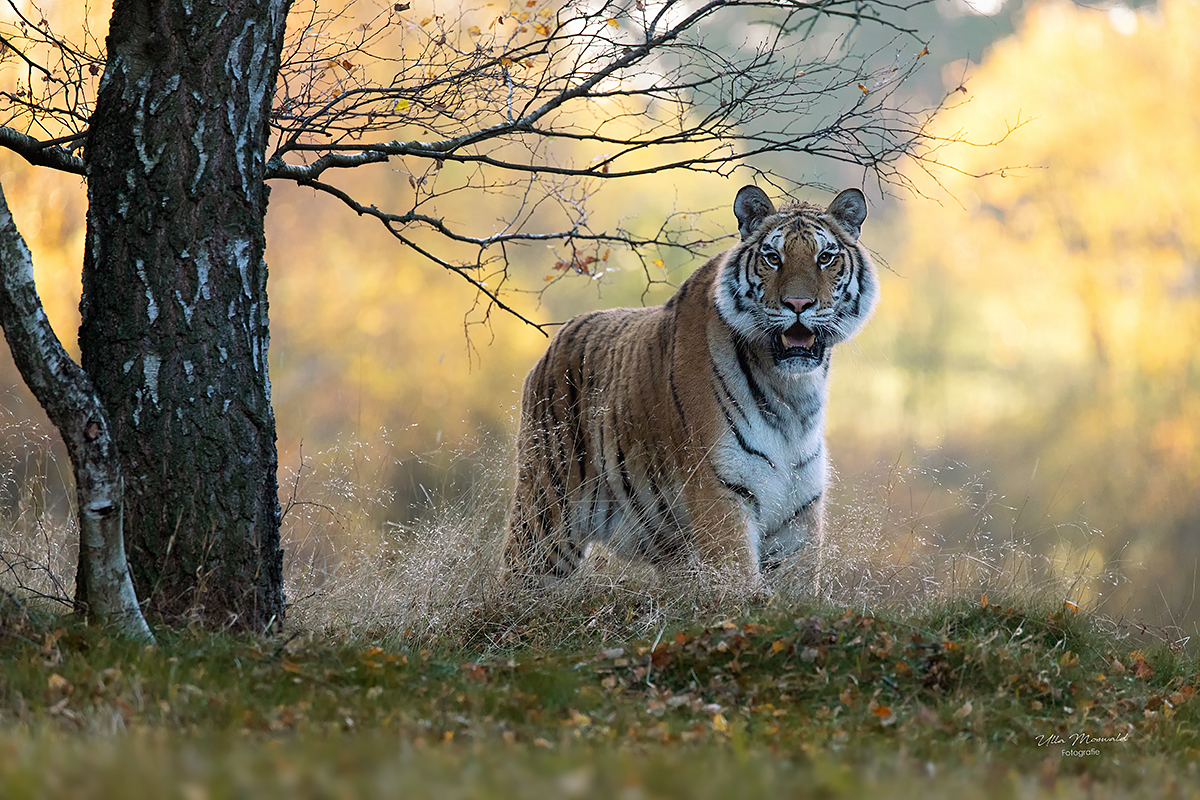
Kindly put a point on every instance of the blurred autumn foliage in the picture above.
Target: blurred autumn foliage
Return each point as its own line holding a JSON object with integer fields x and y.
{"x": 1041, "y": 326}
{"x": 1038, "y": 329}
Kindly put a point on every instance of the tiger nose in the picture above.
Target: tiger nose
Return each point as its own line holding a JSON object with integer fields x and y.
{"x": 799, "y": 304}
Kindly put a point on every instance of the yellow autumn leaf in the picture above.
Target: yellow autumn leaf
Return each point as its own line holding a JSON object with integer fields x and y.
{"x": 658, "y": 262}
{"x": 541, "y": 29}
{"x": 523, "y": 16}
{"x": 612, "y": 22}
{"x": 474, "y": 30}
{"x": 719, "y": 724}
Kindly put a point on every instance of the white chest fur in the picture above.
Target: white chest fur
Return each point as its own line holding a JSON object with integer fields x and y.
{"x": 772, "y": 450}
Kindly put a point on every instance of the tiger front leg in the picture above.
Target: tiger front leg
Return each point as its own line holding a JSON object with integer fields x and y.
{"x": 723, "y": 536}
{"x": 800, "y": 536}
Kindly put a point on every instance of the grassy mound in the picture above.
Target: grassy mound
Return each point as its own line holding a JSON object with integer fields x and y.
{"x": 799, "y": 700}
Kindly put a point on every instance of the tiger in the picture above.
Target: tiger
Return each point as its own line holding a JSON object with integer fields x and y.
{"x": 697, "y": 427}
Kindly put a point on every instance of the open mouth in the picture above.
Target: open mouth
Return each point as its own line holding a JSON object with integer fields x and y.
{"x": 799, "y": 342}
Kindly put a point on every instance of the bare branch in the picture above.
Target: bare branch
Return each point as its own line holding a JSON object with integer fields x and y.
{"x": 540, "y": 104}
{"x": 43, "y": 154}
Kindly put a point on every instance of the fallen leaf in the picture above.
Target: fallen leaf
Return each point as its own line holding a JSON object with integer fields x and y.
{"x": 965, "y": 711}
{"x": 886, "y": 717}
{"x": 476, "y": 672}
{"x": 719, "y": 724}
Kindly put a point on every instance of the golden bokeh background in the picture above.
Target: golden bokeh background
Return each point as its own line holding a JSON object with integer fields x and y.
{"x": 1032, "y": 374}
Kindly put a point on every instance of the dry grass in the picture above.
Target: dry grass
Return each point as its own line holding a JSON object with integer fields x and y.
{"x": 350, "y": 573}
{"x": 39, "y": 539}
{"x": 434, "y": 581}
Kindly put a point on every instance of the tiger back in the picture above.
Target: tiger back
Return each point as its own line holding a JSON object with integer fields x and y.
{"x": 696, "y": 427}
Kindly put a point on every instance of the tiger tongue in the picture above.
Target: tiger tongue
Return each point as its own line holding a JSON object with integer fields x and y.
{"x": 798, "y": 335}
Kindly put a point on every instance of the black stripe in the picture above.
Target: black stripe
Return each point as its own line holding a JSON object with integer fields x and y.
{"x": 627, "y": 486}
{"x": 675, "y": 398}
{"x": 741, "y": 439}
{"x": 769, "y": 412}
{"x": 805, "y": 506}
{"x": 725, "y": 387}
{"x": 740, "y": 491}
{"x": 575, "y": 413}
{"x": 671, "y": 373}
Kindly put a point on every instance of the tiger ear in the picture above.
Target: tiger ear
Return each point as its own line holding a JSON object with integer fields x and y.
{"x": 751, "y": 207}
{"x": 849, "y": 209}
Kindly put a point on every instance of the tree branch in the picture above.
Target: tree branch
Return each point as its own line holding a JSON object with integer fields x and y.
{"x": 43, "y": 154}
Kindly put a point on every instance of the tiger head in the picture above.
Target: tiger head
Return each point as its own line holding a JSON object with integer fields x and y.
{"x": 799, "y": 282}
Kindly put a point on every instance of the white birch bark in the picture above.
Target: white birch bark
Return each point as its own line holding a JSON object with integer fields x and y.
{"x": 66, "y": 393}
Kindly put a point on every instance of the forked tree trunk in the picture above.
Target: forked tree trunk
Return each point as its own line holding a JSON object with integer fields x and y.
{"x": 64, "y": 391}
{"x": 174, "y": 310}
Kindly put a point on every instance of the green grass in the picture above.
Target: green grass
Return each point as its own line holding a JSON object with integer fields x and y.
{"x": 967, "y": 699}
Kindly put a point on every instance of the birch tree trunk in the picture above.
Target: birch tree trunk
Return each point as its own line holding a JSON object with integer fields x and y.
{"x": 174, "y": 310}
{"x": 67, "y": 395}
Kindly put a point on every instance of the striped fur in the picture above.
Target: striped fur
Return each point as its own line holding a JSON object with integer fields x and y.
{"x": 696, "y": 426}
